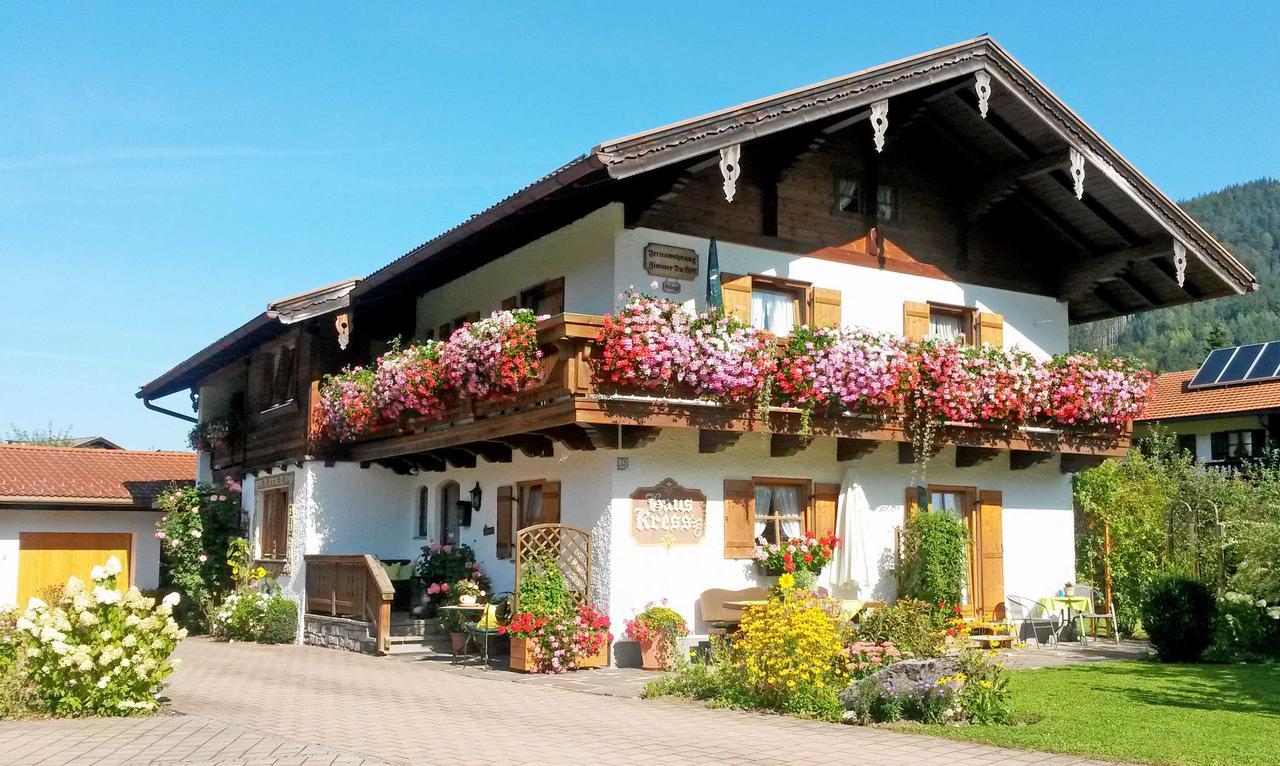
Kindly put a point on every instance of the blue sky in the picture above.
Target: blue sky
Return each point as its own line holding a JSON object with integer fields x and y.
{"x": 167, "y": 169}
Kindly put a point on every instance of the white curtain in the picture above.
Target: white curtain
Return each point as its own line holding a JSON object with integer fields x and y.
{"x": 851, "y": 566}
{"x": 945, "y": 327}
{"x": 786, "y": 500}
{"x": 773, "y": 311}
{"x": 531, "y": 507}
{"x": 764, "y": 501}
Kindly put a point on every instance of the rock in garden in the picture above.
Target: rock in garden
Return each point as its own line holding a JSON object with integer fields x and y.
{"x": 901, "y": 676}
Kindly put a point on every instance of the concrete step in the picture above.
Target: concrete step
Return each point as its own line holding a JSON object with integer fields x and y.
{"x": 429, "y": 644}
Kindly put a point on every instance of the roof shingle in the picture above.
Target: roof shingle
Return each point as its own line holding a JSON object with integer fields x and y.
{"x": 1170, "y": 398}
{"x": 78, "y": 476}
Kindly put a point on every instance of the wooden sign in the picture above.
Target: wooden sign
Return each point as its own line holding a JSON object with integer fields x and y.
{"x": 668, "y": 515}
{"x": 670, "y": 261}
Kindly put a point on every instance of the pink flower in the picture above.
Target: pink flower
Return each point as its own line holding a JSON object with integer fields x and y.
{"x": 446, "y": 548}
{"x": 433, "y": 589}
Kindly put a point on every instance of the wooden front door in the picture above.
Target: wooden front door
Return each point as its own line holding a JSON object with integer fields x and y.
{"x": 982, "y": 514}
{"x": 47, "y": 559}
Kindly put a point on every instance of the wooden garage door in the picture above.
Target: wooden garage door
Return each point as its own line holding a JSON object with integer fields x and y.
{"x": 47, "y": 559}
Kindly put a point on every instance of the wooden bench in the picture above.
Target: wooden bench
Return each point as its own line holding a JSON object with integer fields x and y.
{"x": 719, "y": 618}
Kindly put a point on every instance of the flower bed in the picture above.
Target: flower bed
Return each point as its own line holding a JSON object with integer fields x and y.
{"x": 490, "y": 359}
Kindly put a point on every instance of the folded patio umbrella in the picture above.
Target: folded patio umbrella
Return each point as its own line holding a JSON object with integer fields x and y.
{"x": 851, "y": 565}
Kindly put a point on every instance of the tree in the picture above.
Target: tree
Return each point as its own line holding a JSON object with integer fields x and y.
{"x": 47, "y": 436}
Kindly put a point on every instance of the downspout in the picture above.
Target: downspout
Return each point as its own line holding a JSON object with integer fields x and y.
{"x": 147, "y": 403}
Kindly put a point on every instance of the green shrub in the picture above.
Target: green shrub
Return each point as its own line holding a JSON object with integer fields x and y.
{"x": 542, "y": 591}
{"x": 99, "y": 651}
{"x": 194, "y": 533}
{"x": 914, "y": 627}
{"x": 935, "y": 557}
{"x": 251, "y": 615}
{"x": 1245, "y": 631}
{"x": 1178, "y": 615}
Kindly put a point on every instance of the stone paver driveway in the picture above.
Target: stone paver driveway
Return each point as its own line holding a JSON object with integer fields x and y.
{"x": 246, "y": 704}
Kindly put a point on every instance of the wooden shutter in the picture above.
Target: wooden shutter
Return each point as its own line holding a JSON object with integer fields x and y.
{"x": 504, "y": 531}
{"x": 915, "y": 320}
{"x": 553, "y": 296}
{"x": 736, "y": 291}
{"x": 445, "y": 330}
{"x": 822, "y": 512}
{"x": 826, "y": 307}
{"x": 550, "y": 513}
{"x": 1218, "y": 445}
{"x": 990, "y": 544}
{"x": 739, "y": 521}
{"x": 911, "y": 504}
{"x": 991, "y": 329}
{"x": 510, "y": 303}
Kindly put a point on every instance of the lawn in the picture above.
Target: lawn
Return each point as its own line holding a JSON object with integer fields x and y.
{"x": 1142, "y": 712}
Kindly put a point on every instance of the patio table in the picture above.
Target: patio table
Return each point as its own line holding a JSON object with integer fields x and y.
{"x": 740, "y": 605}
{"x": 1069, "y": 604}
{"x": 472, "y": 612}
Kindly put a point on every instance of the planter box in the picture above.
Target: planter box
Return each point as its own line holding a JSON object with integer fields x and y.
{"x": 522, "y": 661}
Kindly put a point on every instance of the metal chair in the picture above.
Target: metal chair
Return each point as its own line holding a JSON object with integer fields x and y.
{"x": 479, "y": 632}
{"x": 1027, "y": 611}
{"x": 1094, "y": 614}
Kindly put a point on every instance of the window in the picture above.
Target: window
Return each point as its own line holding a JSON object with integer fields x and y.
{"x": 449, "y": 515}
{"x": 886, "y": 203}
{"x": 1238, "y": 445}
{"x": 778, "y": 305}
{"x": 544, "y": 299}
{"x": 848, "y": 196}
{"x": 273, "y": 531}
{"x": 423, "y": 528}
{"x": 780, "y": 509}
{"x": 953, "y": 324}
{"x": 1187, "y": 444}
{"x": 957, "y": 502}
{"x": 279, "y": 377}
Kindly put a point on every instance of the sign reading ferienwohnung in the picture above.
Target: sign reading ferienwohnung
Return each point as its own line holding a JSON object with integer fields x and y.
{"x": 670, "y": 261}
{"x": 668, "y": 515}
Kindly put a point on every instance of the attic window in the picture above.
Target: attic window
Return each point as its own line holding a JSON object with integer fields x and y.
{"x": 848, "y": 196}
{"x": 279, "y": 377}
{"x": 886, "y": 203}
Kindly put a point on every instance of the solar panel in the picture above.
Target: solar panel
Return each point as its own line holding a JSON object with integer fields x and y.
{"x": 1212, "y": 367}
{"x": 1241, "y": 363}
{"x": 1268, "y": 363}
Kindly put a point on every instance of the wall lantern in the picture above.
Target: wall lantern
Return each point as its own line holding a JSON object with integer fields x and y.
{"x": 466, "y": 508}
{"x": 475, "y": 497}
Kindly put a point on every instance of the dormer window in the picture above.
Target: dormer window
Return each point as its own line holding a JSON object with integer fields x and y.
{"x": 848, "y": 196}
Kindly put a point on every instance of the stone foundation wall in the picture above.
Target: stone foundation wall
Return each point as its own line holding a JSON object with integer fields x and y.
{"x": 338, "y": 633}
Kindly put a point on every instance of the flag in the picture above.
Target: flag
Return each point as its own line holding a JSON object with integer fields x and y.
{"x": 715, "y": 299}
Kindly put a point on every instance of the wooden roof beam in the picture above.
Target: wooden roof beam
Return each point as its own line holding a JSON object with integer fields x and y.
{"x": 852, "y": 449}
{"x": 967, "y": 456}
{"x": 1100, "y": 210}
{"x": 531, "y": 445}
{"x": 1005, "y": 182}
{"x": 1047, "y": 215}
{"x": 1008, "y": 134}
{"x": 1079, "y": 279}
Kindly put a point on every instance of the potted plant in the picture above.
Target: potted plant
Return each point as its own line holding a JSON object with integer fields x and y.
{"x": 657, "y": 629}
{"x": 439, "y": 567}
{"x": 807, "y": 552}
{"x": 467, "y": 592}
{"x": 1068, "y": 590}
{"x": 454, "y": 622}
{"x": 591, "y": 637}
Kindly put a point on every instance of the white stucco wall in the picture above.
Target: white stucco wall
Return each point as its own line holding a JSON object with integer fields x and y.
{"x": 1039, "y": 547}
{"x": 144, "y": 557}
{"x": 1204, "y": 428}
{"x": 581, "y": 252}
{"x": 871, "y": 298}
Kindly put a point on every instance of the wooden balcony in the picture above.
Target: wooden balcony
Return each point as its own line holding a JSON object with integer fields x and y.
{"x": 571, "y": 409}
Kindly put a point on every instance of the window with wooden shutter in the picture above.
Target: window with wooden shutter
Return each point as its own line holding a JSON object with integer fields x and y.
{"x": 550, "y": 503}
{"x": 915, "y": 320}
{"x": 826, "y": 307}
{"x": 911, "y": 504}
{"x": 273, "y": 531}
{"x": 543, "y": 299}
{"x": 991, "y": 329}
{"x": 504, "y": 533}
{"x": 821, "y": 518}
{"x": 739, "y": 519}
{"x": 989, "y": 542}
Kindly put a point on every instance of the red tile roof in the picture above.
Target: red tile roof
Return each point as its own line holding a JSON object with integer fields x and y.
{"x": 1170, "y": 398}
{"x": 78, "y": 476}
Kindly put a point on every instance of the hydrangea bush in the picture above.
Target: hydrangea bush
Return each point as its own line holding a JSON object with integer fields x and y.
{"x": 99, "y": 651}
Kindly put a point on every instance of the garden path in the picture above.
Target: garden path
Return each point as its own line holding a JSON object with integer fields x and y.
{"x": 245, "y": 704}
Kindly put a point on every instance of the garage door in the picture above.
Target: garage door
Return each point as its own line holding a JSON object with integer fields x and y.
{"x": 47, "y": 559}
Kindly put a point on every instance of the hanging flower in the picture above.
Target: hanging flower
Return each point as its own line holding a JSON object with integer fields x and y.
{"x": 494, "y": 357}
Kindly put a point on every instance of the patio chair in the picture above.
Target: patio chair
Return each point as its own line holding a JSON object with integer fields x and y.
{"x": 1093, "y": 614}
{"x": 497, "y": 612}
{"x": 1023, "y": 611}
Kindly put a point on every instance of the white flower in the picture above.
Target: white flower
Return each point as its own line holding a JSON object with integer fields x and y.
{"x": 74, "y": 586}
{"x": 88, "y": 619}
{"x": 58, "y": 647}
{"x": 104, "y": 596}
{"x": 129, "y": 640}
{"x": 102, "y": 682}
{"x": 106, "y": 635}
{"x": 36, "y": 605}
{"x": 171, "y": 599}
{"x": 131, "y": 621}
{"x": 113, "y": 566}
{"x": 24, "y": 624}
{"x": 195, "y": 533}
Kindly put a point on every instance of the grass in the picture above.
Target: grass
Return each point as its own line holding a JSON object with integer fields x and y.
{"x": 1148, "y": 712}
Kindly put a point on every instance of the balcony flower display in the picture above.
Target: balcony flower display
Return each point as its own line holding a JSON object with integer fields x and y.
{"x": 494, "y": 357}
{"x": 1083, "y": 390}
{"x": 411, "y": 381}
{"x": 834, "y": 370}
{"x": 808, "y": 552}
{"x": 642, "y": 342}
{"x": 978, "y": 384}
{"x": 724, "y": 358}
{"x": 346, "y": 403}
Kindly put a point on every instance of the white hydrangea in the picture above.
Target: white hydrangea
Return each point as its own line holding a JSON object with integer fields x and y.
{"x": 171, "y": 599}
{"x": 98, "y": 573}
{"x": 114, "y": 567}
{"x": 36, "y": 605}
{"x": 88, "y": 619}
{"x": 74, "y": 587}
{"x": 106, "y": 595}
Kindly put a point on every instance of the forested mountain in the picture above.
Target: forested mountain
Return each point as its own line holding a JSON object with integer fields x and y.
{"x": 1246, "y": 219}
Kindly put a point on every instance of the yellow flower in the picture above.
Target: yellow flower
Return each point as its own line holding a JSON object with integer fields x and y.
{"x": 985, "y": 684}
{"x": 787, "y": 581}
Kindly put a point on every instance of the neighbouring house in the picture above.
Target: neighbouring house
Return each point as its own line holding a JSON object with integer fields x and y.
{"x": 1227, "y": 411}
{"x": 64, "y": 510}
{"x": 949, "y": 195}
{"x": 93, "y": 442}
